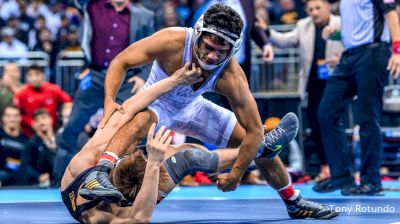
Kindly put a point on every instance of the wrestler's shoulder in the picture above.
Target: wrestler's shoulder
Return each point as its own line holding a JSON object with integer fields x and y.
{"x": 177, "y": 34}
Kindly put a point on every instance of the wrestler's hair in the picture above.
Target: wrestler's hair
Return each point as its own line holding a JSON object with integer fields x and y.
{"x": 223, "y": 17}
{"x": 128, "y": 175}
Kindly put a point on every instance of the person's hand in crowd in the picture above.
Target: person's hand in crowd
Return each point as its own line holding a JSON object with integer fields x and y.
{"x": 44, "y": 177}
{"x": 137, "y": 83}
{"x": 268, "y": 53}
{"x": 261, "y": 23}
{"x": 394, "y": 65}
{"x": 110, "y": 106}
{"x": 327, "y": 32}
{"x": 188, "y": 75}
{"x": 333, "y": 61}
{"x": 157, "y": 144}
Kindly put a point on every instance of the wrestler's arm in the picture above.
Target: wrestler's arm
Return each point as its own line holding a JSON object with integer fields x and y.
{"x": 183, "y": 76}
{"x": 145, "y": 201}
{"x": 155, "y": 47}
{"x": 234, "y": 86}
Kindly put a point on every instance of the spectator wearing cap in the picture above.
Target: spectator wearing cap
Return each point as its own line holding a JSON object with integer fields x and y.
{"x": 36, "y": 94}
{"x": 10, "y": 47}
{"x": 72, "y": 42}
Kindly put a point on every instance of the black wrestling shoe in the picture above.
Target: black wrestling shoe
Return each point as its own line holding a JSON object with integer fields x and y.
{"x": 327, "y": 185}
{"x": 363, "y": 190}
{"x": 97, "y": 186}
{"x": 279, "y": 137}
{"x": 301, "y": 208}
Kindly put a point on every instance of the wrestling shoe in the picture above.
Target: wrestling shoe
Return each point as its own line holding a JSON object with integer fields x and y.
{"x": 301, "y": 208}
{"x": 97, "y": 185}
{"x": 279, "y": 137}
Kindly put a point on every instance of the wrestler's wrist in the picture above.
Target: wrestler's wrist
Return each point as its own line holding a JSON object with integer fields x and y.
{"x": 153, "y": 163}
{"x": 173, "y": 81}
{"x": 236, "y": 173}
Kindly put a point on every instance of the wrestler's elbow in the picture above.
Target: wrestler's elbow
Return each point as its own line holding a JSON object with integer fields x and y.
{"x": 118, "y": 63}
{"x": 139, "y": 219}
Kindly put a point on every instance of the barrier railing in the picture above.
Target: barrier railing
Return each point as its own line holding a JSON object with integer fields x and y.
{"x": 25, "y": 60}
{"x": 278, "y": 78}
{"x": 67, "y": 67}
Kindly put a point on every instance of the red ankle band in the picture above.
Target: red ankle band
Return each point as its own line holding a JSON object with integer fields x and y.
{"x": 287, "y": 193}
{"x": 107, "y": 157}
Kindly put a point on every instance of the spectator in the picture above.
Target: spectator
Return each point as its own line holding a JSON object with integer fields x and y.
{"x": 27, "y": 22}
{"x": 36, "y": 94}
{"x": 14, "y": 151}
{"x": 316, "y": 55}
{"x": 72, "y": 42}
{"x": 47, "y": 44}
{"x": 284, "y": 13}
{"x": 62, "y": 33}
{"x": 65, "y": 112}
{"x": 36, "y": 8}
{"x": 20, "y": 32}
{"x": 8, "y": 8}
{"x": 44, "y": 146}
{"x": 9, "y": 84}
{"x": 53, "y": 17}
{"x": 40, "y": 23}
{"x": 10, "y": 47}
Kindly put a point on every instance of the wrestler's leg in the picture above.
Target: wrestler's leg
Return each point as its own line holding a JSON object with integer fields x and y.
{"x": 97, "y": 184}
{"x": 272, "y": 170}
{"x": 132, "y": 133}
{"x": 276, "y": 175}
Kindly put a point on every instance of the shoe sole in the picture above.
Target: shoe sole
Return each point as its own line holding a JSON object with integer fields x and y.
{"x": 325, "y": 217}
{"x": 329, "y": 216}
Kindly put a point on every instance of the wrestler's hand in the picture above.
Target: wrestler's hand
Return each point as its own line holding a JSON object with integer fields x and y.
{"x": 188, "y": 75}
{"x": 137, "y": 83}
{"x": 110, "y": 106}
{"x": 394, "y": 65}
{"x": 158, "y": 144}
{"x": 227, "y": 182}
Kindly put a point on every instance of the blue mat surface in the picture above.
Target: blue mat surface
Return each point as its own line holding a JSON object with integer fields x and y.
{"x": 248, "y": 204}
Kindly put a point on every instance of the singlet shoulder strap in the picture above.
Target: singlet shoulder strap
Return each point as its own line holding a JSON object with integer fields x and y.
{"x": 187, "y": 52}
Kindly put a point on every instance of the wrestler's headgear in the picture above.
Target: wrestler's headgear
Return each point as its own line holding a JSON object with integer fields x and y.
{"x": 232, "y": 38}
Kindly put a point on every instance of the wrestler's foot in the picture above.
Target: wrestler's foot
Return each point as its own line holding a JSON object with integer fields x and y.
{"x": 301, "y": 208}
{"x": 279, "y": 137}
{"x": 97, "y": 185}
